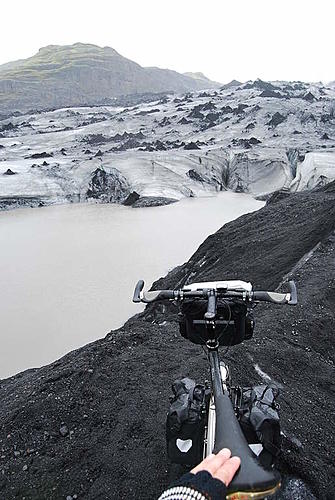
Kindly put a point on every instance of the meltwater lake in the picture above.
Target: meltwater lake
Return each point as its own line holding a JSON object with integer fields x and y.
{"x": 68, "y": 271}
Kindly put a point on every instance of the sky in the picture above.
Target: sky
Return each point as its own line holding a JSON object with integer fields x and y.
{"x": 237, "y": 39}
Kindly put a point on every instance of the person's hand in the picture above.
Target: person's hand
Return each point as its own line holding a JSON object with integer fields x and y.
{"x": 221, "y": 466}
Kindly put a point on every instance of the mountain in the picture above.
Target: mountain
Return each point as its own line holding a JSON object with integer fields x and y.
{"x": 79, "y": 74}
{"x": 200, "y": 77}
{"x": 91, "y": 425}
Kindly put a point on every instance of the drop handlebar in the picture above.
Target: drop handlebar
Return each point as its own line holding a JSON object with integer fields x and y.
{"x": 210, "y": 294}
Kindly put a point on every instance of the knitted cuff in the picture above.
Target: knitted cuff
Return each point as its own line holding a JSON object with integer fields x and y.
{"x": 200, "y": 486}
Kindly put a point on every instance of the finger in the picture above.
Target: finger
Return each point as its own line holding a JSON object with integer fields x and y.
{"x": 203, "y": 464}
{"x": 213, "y": 462}
{"x": 225, "y": 453}
{"x": 228, "y": 470}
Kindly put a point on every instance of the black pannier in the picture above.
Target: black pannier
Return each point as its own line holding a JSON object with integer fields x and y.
{"x": 260, "y": 420}
{"x": 185, "y": 423}
{"x": 237, "y": 317}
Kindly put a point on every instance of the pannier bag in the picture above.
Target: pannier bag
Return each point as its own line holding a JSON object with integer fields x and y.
{"x": 260, "y": 420}
{"x": 238, "y": 318}
{"x": 185, "y": 422}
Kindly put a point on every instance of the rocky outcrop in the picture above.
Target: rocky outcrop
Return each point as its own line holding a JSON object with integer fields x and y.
{"x": 276, "y": 119}
{"x": 260, "y": 85}
{"x": 40, "y": 155}
{"x": 10, "y": 202}
{"x": 195, "y": 176}
{"x": 9, "y": 172}
{"x": 131, "y": 199}
{"x": 191, "y": 145}
{"x": 108, "y": 186}
{"x": 309, "y": 97}
{"x": 8, "y": 126}
{"x": 153, "y": 201}
{"x": 246, "y": 143}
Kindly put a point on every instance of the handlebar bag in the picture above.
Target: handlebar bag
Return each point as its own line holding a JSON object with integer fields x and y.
{"x": 260, "y": 420}
{"x": 239, "y": 323}
{"x": 185, "y": 422}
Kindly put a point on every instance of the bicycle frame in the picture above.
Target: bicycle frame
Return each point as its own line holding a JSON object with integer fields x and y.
{"x": 221, "y": 379}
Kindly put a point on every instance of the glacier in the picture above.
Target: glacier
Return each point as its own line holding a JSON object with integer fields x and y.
{"x": 257, "y": 138}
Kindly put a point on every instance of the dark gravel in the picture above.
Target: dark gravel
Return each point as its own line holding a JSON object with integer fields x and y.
{"x": 91, "y": 425}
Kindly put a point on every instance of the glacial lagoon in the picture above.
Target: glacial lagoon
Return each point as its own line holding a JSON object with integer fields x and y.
{"x": 68, "y": 271}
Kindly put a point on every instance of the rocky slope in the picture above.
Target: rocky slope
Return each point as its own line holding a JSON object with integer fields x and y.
{"x": 78, "y": 74}
{"x": 257, "y": 137}
{"x": 91, "y": 425}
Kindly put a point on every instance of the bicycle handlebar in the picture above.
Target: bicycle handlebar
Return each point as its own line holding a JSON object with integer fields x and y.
{"x": 210, "y": 294}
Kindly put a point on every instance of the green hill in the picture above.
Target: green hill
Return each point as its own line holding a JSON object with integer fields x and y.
{"x": 80, "y": 74}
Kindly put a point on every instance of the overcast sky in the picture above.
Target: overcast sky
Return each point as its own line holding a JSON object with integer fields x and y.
{"x": 237, "y": 39}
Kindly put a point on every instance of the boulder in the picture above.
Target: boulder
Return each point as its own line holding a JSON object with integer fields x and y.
{"x": 212, "y": 117}
{"x": 209, "y": 106}
{"x": 309, "y": 97}
{"x": 276, "y": 119}
{"x": 195, "y": 113}
{"x": 164, "y": 122}
{"x": 246, "y": 143}
{"x": 184, "y": 121}
{"x": 271, "y": 93}
{"x": 9, "y": 172}
{"x": 96, "y": 139}
{"x": 153, "y": 201}
{"x": 240, "y": 109}
{"x": 195, "y": 176}
{"x": 226, "y": 109}
{"x": 108, "y": 186}
{"x": 250, "y": 126}
{"x": 191, "y": 145}
{"x": 8, "y": 126}
{"x": 131, "y": 199}
{"x": 40, "y": 155}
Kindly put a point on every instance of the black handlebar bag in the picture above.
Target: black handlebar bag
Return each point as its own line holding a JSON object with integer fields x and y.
{"x": 185, "y": 423}
{"x": 234, "y": 322}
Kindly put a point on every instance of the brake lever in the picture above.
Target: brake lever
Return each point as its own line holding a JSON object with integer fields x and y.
{"x": 137, "y": 292}
{"x": 293, "y": 292}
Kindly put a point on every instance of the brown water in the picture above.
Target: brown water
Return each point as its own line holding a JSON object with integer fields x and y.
{"x": 68, "y": 272}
